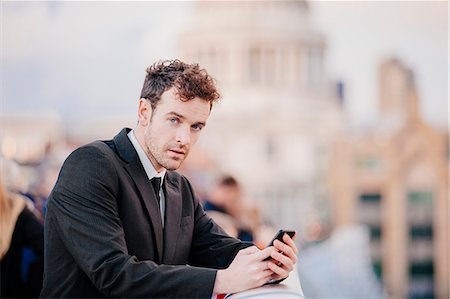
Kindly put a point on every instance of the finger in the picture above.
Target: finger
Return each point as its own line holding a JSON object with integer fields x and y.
{"x": 266, "y": 274}
{"x": 278, "y": 270}
{"x": 275, "y": 276}
{"x": 265, "y": 277}
{"x": 283, "y": 247}
{"x": 262, "y": 266}
{"x": 290, "y": 242}
{"x": 248, "y": 250}
{"x": 287, "y": 250}
{"x": 263, "y": 254}
{"x": 282, "y": 260}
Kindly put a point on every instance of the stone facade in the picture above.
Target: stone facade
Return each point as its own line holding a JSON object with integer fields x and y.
{"x": 394, "y": 178}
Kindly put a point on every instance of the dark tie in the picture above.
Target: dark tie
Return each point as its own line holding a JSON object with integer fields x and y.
{"x": 156, "y": 183}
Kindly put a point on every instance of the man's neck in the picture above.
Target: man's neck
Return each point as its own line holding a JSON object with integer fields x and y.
{"x": 142, "y": 151}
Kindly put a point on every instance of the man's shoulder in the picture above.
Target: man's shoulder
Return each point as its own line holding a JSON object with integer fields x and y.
{"x": 98, "y": 145}
{"x": 88, "y": 165}
{"x": 93, "y": 152}
{"x": 95, "y": 147}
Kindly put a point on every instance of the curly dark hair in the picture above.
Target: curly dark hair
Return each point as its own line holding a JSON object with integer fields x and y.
{"x": 189, "y": 80}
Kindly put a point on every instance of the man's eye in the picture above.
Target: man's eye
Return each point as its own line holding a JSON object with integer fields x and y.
{"x": 173, "y": 120}
{"x": 197, "y": 127}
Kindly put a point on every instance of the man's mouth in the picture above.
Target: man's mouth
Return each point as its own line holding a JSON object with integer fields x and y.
{"x": 178, "y": 151}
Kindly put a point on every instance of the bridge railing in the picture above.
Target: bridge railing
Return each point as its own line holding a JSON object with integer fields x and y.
{"x": 289, "y": 288}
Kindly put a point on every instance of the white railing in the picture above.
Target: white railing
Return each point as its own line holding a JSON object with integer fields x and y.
{"x": 289, "y": 288}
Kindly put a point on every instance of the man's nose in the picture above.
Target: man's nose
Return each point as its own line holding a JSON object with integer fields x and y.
{"x": 184, "y": 135}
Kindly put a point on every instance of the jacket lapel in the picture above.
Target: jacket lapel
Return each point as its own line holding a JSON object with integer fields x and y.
{"x": 173, "y": 218}
{"x": 148, "y": 197}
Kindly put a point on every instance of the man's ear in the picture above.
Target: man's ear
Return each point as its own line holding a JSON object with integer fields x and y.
{"x": 144, "y": 112}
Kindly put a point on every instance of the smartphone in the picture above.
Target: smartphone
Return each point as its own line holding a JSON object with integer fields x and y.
{"x": 279, "y": 235}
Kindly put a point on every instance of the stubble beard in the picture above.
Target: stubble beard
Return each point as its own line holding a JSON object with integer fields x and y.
{"x": 157, "y": 154}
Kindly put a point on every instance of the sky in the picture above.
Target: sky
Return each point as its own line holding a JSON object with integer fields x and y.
{"x": 88, "y": 59}
{"x": 361, "y": 34}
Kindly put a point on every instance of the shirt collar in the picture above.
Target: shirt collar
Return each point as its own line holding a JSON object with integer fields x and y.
{"x": 145, "y": 161}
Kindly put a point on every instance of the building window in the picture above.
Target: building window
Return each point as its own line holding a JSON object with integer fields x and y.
{"x": 375, "y": 232}
{"x": 424, "y": 268}
{"x": 421, "y": 232}
{"x": 366, "y": 198}
{"x": 254, "y": 66}
{"x": 377, "y": 268}
{"x": 300, "y": 66}
{"x": 369, "y": 214}
{"x": 269, "y": 66}
{"x": 422, "y": 198}
{"x": 270, "y": 148}
{"x": 421, "y": 267}
{"x": 314, "y": 67}
{"x": 369, "y": 163}
{"x": 421, "y": 288}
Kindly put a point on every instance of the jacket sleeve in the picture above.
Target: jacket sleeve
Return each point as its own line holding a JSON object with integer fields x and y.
{"x": 83, "y": 209}
{"x": 211, "y": 246}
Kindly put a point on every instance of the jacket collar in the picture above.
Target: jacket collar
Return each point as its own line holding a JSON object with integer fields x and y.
{"x": 147, "y": 195}
{"x": 173, "y": 216}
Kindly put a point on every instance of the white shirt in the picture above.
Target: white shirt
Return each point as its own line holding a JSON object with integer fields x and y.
{"x": 150, "y": 171}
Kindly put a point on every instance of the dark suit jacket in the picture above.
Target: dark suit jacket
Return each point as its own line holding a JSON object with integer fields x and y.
{"x": 103, "y": 232}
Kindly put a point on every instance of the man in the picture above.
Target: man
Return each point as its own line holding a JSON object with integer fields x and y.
{"x": 121, "y": 223}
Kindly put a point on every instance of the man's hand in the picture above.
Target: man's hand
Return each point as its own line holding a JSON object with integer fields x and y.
{"x": 284, "y": 258}
{"x": 247, "y": 271}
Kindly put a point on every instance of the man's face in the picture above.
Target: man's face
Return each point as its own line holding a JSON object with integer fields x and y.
{"x": 173, "y": 128}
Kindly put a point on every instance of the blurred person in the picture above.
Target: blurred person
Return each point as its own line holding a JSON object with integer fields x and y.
{"x": 21, "y": 247}
{"x": 226, "y": 222}
{"x": 121, "y": 222}
{"x": 15, "y": 181}
{"x": 226, "y": 197}
{"x": 45, "y": 179}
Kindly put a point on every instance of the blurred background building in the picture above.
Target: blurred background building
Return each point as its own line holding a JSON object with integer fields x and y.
{"x": 393, "y": 177}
